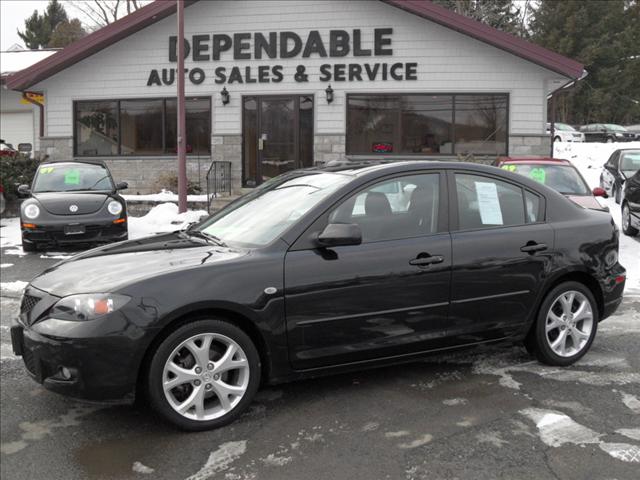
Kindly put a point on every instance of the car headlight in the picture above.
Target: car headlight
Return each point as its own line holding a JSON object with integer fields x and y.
{"x": 31, "y": 211}
{"x": 611, "y": 258}
{"x": 114, "y": 207}
{"x": 87, "y": 306}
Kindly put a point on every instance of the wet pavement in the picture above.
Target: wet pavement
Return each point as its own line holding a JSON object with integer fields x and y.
{"x": 485, "y": 413}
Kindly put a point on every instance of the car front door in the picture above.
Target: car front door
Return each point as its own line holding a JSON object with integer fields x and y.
{"x": 501, "y": 250}
{"x": 610, "y": 172}
{"x": 387, "y": 296}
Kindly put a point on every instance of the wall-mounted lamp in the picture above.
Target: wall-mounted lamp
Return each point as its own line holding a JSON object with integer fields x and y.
{"x": 225, "y": 95}
{"x": 329, "y": 92}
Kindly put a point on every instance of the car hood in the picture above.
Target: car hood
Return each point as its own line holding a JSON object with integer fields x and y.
{"x": 59, "y": 203}
{"x": 109, "y": 268}
{"x": 587, "y": 201}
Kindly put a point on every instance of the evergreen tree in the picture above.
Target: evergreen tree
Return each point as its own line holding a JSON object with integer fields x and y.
{"x": 67, "y": 32}
{"x": 605, "y": 37}
{"x": 505, "y": 15}
{"x": 39, "y": 28}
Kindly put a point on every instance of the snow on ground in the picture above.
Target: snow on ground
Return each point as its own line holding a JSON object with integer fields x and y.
{"x": 589, "y": 159}
{"x": 12, "y": 289}
{"x": 10, "y": 232}
{"x": 164, "y": 196}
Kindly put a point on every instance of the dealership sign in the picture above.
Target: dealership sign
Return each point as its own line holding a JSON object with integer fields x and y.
{"x": 286, "y": 45}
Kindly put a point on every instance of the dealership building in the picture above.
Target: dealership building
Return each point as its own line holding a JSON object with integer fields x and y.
{"x": 282, "y": 84}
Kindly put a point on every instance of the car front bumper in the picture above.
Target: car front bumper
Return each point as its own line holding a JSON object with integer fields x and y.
{"x": 95, "y": 360}
{"x": 50, "y": 233}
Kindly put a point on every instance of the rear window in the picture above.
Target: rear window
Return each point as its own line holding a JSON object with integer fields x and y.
{"x": 72, "y": 177}
{"x": 562, "y": 178}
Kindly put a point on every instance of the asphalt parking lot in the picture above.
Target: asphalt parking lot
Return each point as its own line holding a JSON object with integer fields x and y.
{"x": 484, "y": 413}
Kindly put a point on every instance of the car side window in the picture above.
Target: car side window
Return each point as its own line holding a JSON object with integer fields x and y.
{"x": 487, "y": 202}
{"x": 532, "y": 207}
{"x": 613, "y": 160}
{"x": 401, "y": 207}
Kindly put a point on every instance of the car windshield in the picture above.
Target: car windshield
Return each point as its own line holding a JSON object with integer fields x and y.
{"x": 615, "y": 128}
{"x": 72, "y": 177}
{"x": 630, "y": 162}
{"x": 564, "y": 127}
{"x": 562, "y": 178}
{"x": 266, "y": 213}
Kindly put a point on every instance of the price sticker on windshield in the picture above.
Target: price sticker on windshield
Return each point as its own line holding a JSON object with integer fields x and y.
{"x": 45, "y": 170}
{"x": 509, "y": 168}
{"x": 72, "y": 177}
{"x": 538, "y": 174}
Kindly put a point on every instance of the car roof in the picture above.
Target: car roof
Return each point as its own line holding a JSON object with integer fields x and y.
{"x": 534, "y": 160}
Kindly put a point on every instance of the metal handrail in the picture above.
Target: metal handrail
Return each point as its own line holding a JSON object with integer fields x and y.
{"x": 218, "y": 181}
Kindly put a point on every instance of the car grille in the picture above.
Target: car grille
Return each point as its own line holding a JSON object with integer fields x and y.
{"x": 28, "y": 303}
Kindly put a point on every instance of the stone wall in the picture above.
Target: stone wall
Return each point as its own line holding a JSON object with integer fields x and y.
{"x": 327, "y": 148}
{"x": 523, "y": 145}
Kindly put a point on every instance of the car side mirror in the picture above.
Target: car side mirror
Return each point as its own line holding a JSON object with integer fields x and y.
{"x": 24, "y": 190}
{"x": 122, "y": 186}
{"x": 600, "y": 192}
{"x": 340, "y": 234}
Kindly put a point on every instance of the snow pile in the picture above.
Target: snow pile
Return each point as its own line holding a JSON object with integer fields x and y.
{"x": 10, "y": 232}
{"x": 163, "y": 196}
{"x": 161, "y": 219}
{"x": 589, "y": 158}
{"x": 12, "y": 289}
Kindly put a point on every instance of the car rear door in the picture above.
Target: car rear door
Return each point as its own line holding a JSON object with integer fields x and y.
{"x": 501, "y": 249}
{"x": 610, "y": 172}
{"x": 385, "y": 297}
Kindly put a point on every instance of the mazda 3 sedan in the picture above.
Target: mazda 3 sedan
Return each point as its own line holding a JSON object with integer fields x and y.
{"x": 321, "y": 271}
{"x": 71, "y": 203}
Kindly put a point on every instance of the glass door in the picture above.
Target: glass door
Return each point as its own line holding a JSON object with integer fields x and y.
{"x": 277, "y": 136}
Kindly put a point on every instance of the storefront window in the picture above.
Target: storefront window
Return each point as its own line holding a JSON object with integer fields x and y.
{"x": 96, "y": 128}
{"x": 140, "y": 127}
{"x": 141, "y": 122}
{"x": 424, "y": 124}
{"x": 198, "y": 111}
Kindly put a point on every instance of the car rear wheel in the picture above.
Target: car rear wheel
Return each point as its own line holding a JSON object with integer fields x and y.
{"x": 627, "y": 228}
{"x": 204, "y": 375}
{"x": 557, "y": 139}
{"x": 566, "y": 325}
{"x": 610, "y": 140}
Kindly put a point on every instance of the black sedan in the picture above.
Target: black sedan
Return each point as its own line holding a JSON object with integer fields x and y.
{"x": 70, "y": 203}
{"x": 631, "y": 206}
{"x": 606, "y": 132}
{"x": 320, "y": 271}
{"x": 622, "y": 164}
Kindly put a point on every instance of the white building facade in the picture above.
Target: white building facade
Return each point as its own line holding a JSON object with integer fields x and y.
{"x": 275, "y": 85}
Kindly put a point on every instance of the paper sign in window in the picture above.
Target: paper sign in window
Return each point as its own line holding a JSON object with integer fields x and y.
{"x": 72, "y": 177}
{"x": 488, "y": 203}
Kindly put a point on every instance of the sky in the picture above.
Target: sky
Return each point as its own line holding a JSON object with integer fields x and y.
{"x": 12, "y": 16}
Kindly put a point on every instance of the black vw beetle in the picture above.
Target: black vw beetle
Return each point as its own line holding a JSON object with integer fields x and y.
{"x": 321, "y": 271}
{"x": 70, "y": 203}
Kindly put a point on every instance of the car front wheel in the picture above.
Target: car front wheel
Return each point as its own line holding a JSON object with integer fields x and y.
{"x": 204, "y": 375}
{"x": 627, "y": 228}
{"x": 566, "y": 325}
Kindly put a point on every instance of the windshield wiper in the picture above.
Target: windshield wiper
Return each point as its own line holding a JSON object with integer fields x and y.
{"x": 87, "y": 189}
{"x": 206, "y": 236}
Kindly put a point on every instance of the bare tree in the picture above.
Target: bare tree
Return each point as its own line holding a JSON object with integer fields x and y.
{"x": 100, "y": 13}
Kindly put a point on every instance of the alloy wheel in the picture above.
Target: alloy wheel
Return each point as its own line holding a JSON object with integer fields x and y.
{"x": 206, "y": 376}
{"x": 569, "y": 323}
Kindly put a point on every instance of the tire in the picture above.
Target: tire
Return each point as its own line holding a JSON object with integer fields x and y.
{"x": 557, "y": 139}
{"x": 616, "y": 194}
{"x": 610, "y": 140}
{"x": 627, "y": 228}
{"x": 548, "y": 346}
{"x": 204, "y": 389}
{"x": 29, "y": 247}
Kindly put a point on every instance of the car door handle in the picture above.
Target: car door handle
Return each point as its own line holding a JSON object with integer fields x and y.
{"x": 533, "y": 247}
{"x": 422, "y": 261}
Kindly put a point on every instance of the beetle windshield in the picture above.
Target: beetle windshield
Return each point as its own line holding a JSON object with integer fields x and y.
{"x": 562, "y": 178}
{"x": 260, "y": 217}
{"x": 630, "y": 162}
{"x": 72, "y": 177}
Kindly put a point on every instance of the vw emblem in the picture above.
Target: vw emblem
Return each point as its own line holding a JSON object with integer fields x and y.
{"x": 73, "y": 208}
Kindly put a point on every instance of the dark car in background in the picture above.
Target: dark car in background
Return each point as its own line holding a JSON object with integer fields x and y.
{"x": 631, "y": 205}
{"x": 606, "y": 132}
{"x": 558, "y": 174}
{"x": 70, "y": 203}
{"x": 622, "y": 164}
{"x": 321, "y": 271}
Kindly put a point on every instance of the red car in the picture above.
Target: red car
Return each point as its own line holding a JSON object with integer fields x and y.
{"x": 558, "y": 174}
